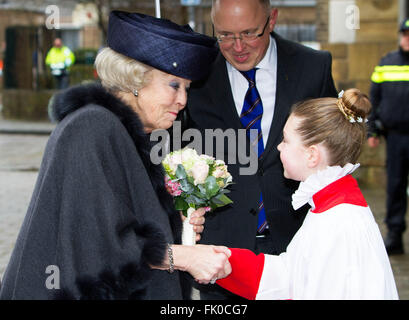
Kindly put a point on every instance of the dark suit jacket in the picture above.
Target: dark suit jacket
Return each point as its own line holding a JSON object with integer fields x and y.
{"x": 301, "y": 73}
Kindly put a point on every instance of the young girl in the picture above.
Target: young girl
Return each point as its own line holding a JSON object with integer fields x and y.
{"x": 338, "y": 253}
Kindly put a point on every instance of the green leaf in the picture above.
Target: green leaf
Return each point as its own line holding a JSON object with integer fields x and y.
{"x": 212, "y": 188}
{"x": 197, "y": 202}
{"x": 191, "y": 180}
{"x": 180, "y": 172}
{"x": 226, "y": 200}
{"x": 181, "y": 204}
{"x": 202, "y": 189}
{"x": 199, "y": 194}
{"x": 221, "y": 200}
{"x": 186, "y": 186}
{"x": 217, "y": 202}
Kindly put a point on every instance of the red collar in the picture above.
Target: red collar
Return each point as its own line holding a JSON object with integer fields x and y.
{"x": 344, "y": 190}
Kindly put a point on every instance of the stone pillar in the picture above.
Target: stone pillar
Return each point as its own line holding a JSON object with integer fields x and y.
{"x": 354, "y": 61}
{"x": 322, "y": 21}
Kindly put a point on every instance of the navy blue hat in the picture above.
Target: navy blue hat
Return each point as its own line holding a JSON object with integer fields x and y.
{"x": 161, "y": 44}
{"x": 404, "y": 25}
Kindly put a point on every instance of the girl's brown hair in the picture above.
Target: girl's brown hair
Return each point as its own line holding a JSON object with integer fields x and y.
{"x": 337, "y": 123}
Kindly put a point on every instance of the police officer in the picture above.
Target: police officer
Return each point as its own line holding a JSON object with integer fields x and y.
{"x": 59, "y": 59}
{"x": 390, "y": 117}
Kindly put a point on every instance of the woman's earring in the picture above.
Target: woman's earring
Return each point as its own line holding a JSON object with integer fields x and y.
{"x": 135, "y": 92}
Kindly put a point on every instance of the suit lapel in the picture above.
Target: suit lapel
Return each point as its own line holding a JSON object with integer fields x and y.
{"x": 286, "y": 86}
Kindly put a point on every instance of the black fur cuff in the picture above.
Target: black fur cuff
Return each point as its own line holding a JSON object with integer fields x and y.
{"x": 131, "y": 281}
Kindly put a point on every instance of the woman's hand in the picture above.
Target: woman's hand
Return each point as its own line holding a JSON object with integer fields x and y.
{"x": 197, "y": 220}
{"x": 205, "y": 263}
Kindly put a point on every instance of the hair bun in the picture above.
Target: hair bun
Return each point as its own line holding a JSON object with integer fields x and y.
{"x": 355, "y": 105}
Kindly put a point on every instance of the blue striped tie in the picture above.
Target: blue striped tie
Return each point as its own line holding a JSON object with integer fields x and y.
{"x": 250, "y": 118}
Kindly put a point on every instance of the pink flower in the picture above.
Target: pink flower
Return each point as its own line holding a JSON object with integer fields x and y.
{"x": 172, "y": 187}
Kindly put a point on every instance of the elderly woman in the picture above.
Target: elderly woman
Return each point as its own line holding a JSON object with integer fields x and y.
{"x": 100, "y": 224}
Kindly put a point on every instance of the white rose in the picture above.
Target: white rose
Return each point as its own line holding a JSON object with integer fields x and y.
{"x": 189, "y": 158}
{"x": 208, "y": 159}
{"x": 199, "y": 171}
{"x": 173, "y": 161}
{"x": 219, "y": 163}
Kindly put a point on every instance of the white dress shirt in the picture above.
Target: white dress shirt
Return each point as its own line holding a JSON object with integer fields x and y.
{"x": 266, "y": 77}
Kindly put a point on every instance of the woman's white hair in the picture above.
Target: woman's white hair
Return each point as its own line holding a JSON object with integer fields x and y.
{"x": 120, "y": 73}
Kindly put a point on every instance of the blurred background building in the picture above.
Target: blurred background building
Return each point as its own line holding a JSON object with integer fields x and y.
{"x": 334, "y": 25}
{"x": 357, "y": 33}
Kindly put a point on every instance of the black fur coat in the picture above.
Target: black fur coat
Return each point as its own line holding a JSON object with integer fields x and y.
{"x": 99, "y": 214}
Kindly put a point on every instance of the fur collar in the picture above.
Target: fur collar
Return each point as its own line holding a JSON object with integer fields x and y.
{"x": 78, "y": 97}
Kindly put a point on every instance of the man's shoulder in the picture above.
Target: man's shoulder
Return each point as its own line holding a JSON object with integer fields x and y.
{"x": 217, "y": 73}
{"x": 391, "y": 57}
{"x": 66, "y": 49}
{"x": 292, "y": 47}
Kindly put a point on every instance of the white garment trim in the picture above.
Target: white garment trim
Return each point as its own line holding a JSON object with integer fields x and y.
{"x": 275, "y": 280}
{"x": 317, "y": 181}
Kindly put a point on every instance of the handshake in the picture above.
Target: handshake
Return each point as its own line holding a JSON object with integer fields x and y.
{"x": 205, "y": 263}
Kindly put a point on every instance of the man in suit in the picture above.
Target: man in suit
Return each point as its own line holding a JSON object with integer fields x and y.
{"x": 261, "y": 218}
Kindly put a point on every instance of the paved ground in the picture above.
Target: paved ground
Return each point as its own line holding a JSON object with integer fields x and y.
{"x": 20, "y": 158}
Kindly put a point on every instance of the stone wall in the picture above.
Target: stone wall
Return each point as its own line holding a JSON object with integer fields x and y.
{"x": 322, "y": 21}
{"x": 354, "y": 63}
{"x": 378, "y": 20}
{"x": 20, "y": 104}
{"x": 352, "y": 67}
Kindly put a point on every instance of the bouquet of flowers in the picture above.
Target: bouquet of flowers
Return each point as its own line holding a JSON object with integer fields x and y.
{"x": 195, "y": 181}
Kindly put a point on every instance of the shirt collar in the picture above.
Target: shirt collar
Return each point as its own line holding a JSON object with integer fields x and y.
{"x": 267, "y": 63}
{"x": 318, "y": 181}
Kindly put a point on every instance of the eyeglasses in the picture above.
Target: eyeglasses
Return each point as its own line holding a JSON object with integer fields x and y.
{"x": 243, "y": 36}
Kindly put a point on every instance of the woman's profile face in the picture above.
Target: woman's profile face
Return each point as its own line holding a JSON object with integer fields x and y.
{"x": 161, "y": 99}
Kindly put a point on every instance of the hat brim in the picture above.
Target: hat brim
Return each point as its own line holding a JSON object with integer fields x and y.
{"x": 161, "y": 44}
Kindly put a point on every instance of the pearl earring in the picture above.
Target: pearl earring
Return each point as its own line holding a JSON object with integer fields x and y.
{"x": 135, "y": 92}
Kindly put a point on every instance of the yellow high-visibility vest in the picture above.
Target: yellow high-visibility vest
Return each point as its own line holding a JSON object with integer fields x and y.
{"x": 390, "y": 73}
{"x": 59, "y": 58}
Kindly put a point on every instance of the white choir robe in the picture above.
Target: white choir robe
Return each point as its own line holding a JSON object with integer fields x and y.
{"x": 338, "y": 253}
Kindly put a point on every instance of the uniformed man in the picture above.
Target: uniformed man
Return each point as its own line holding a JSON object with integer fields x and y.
{"x": 390, "y": 118}
{"x": 59, "y": 59}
